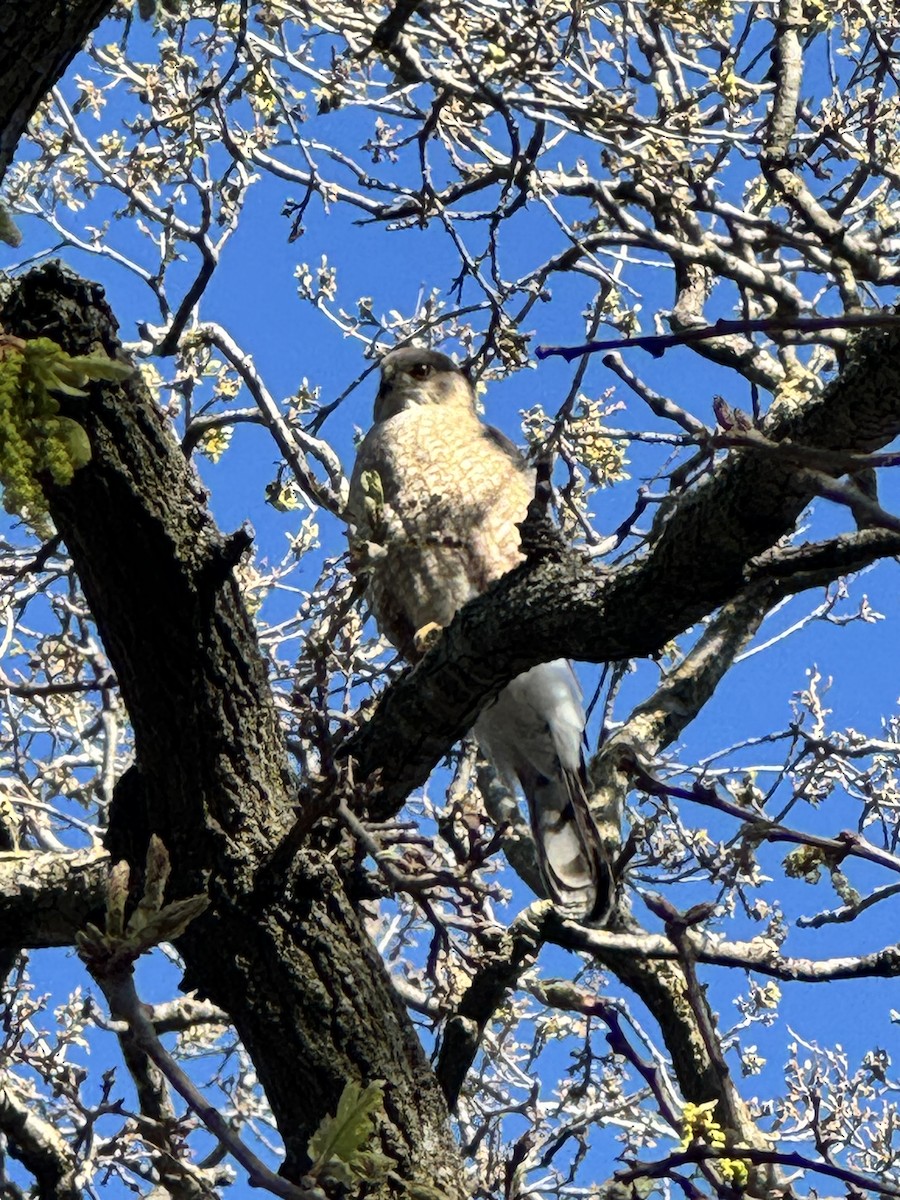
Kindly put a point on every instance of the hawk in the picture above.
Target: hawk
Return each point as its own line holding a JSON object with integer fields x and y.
{"x": 435, "y": 499}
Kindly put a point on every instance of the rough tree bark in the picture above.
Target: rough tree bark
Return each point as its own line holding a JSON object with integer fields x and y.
{"x": 280, "y": 948}
{"x": 305, "y": 989}
{"x": 303, "y": 984}
{"x": 39, "y": 40}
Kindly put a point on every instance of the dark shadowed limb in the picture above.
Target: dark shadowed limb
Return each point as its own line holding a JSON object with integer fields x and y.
{"x": 302, "y": 983}
{"x": 803, "y": 329}
{"x": 38, "y": 44}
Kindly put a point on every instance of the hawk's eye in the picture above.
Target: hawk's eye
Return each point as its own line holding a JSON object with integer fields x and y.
{"x": 420, "y": 371}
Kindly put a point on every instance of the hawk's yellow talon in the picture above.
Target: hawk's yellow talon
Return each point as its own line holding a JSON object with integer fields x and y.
{"x": 427, "y": 636}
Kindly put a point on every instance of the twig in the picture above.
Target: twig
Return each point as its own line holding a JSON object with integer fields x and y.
{"x": 125, "y": 1005}
{"x": 658, "y": 344}
{"x": 698, "y": 1154}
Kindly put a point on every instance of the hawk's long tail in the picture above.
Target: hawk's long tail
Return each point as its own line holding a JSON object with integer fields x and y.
{"x": 533, "y": 732}
{"x": 574, "y": 865}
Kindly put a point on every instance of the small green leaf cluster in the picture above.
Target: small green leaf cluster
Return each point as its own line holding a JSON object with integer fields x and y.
{"x": 805, "y": 863}
{"x": 341, "y": 1146}
{"x": 152, "y": 921}
{"x": 34, "y": 439}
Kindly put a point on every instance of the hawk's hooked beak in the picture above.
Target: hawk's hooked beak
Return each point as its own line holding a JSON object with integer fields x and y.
{"x": 381, "y": 398}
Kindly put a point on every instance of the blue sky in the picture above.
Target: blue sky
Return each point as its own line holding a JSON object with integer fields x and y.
{"x": 254, "y": 295}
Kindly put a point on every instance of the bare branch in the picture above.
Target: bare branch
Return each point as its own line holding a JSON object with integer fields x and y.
{"x": 40, "y": 1148}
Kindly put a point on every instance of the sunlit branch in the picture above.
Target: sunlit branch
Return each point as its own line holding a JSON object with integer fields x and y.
{"x": 293, "y": 441}
{"x": 125, "y": 1006}
{"x": 849, "y": 912}
{"x": 40, "y": 1147}
{"x": 760, "y": 955}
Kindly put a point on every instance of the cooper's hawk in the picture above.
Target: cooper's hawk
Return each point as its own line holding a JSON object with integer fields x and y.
{"x": 434, "y": 500}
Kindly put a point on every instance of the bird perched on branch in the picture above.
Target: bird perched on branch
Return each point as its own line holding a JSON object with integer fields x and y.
{"x": 435, "y": 500}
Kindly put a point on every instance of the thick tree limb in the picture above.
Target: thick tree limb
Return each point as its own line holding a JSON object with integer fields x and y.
{"x": 46, "y": 898}
{"x": 563, "y": 607}
{"x": 280, "y": 947}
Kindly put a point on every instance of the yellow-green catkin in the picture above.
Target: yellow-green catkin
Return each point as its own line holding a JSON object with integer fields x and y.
{"x": 700, "y": 1125}
{"x": 35, "y": 440}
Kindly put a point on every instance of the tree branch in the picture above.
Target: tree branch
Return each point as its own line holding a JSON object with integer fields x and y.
{"x": 46, "y": 898}
{"x": 141, "y": 1041}
{"x": 759, "y": 955}
{"x": 40, "y": 1148}
{"x": 658, "y": 343}
{"x": 563, "y": 607}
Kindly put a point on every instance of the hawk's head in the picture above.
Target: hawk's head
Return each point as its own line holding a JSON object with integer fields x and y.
{"x": 414, "y": 376}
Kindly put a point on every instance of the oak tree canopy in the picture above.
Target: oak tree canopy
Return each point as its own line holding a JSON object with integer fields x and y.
{"x": 218, "y": 785}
